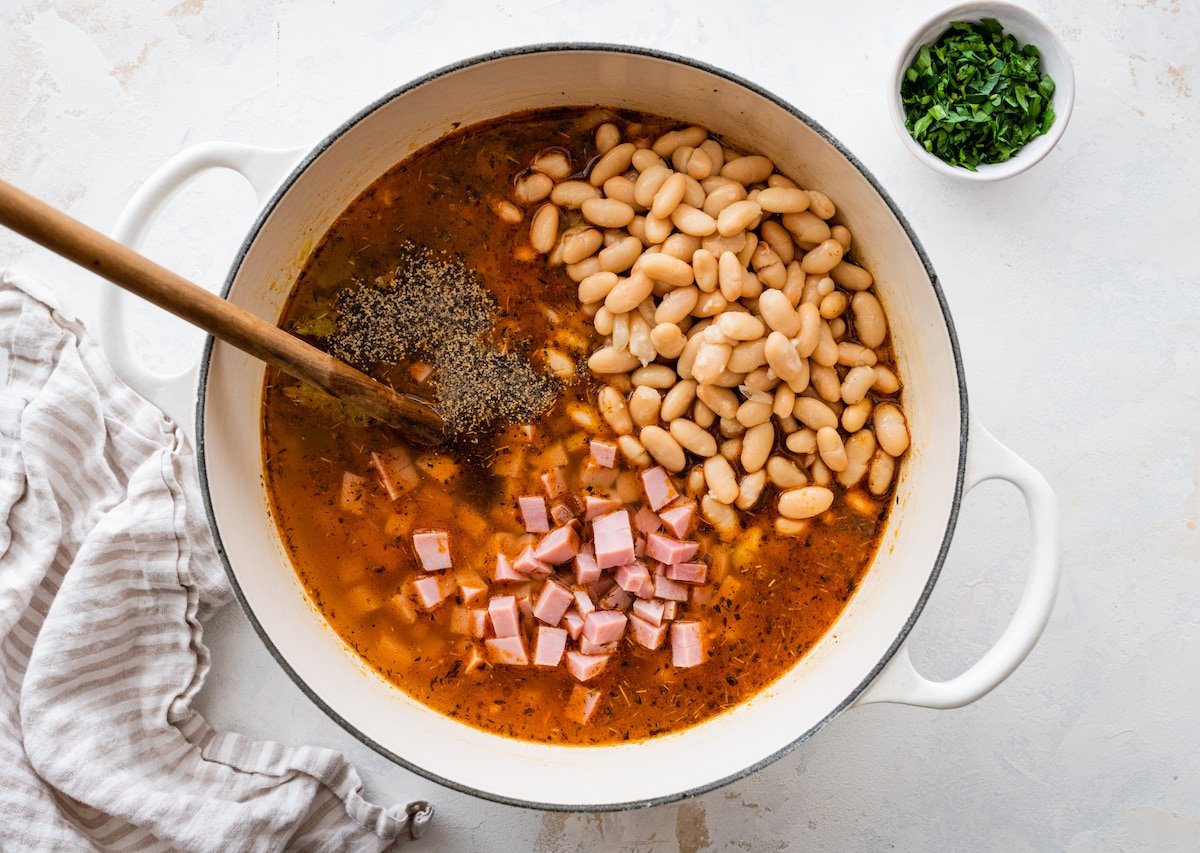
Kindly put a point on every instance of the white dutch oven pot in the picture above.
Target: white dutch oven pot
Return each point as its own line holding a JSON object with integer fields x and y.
{"x": 862, "y": 659}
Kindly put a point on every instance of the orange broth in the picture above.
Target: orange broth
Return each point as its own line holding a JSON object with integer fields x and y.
{"x": 772, "y": 597}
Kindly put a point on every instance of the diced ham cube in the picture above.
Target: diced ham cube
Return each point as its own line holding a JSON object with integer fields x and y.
{"x": 533, "y": 513}
{"x": 582, "y": 704}
{"x": 670, "y": 551}
{"x": 471, "y": 588}
{"x": 639, "y": 547}
{"x": 616, "y": 599}
{"x": 604, "y": 626}
{"x": 354, "y": 493}
{"x": 631, "y": 577}
{"x": 524, "y": 601}
{"x": 646, "y": 521}
{"x": 433, "y": 549}
{"x": 671, "y": 590}
{"x": 585, "y": 667}
{"x": 574, "y": 622}
{"x": 527, "y": 563}
{"x": 560, "y": 545}
{"x": 688, "y": 572}
{"x": 583, "y": 602}
{"x": 505, "y": 614}
{"x": 478, "y": 621}
{"x": 595, "y": 507}
{"x": 475, "y": 659}
{"x": 686, "y": 646}
{"x": 613, "y": 539}
{"x": 396, "y": 471}
{"x": 586, "y": 570}
{"x": 589, "y": 648}
{"x": 560, "y": 513}
{"x": 678, "y": 519}
{"x": 659, "y": 490}
{"x": 645, "y": 634}
{"x": 429, "y": 591}
{"x": 670, "y": 608}
{"x": 552, "y": 603}
{"x": 469, "y": 622}
{"x": 649, "y": 611}
{"x": 508, "y": 650}
{"x": 597, "y": 475}
{"x": 505, "y": 573}
{"x": 604, "y": 453}
{"x": 548, "y": 646}
{"x": 554, "y": 482}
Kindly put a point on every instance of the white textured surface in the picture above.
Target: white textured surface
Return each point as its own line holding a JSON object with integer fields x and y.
{"x": 1075, "y": 291}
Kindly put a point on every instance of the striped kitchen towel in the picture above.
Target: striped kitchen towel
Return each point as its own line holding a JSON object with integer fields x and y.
{"x": 107, "y": 574}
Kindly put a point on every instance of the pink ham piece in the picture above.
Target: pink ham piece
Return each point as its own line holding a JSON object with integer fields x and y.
{"x": 645, "y": 634}
{"x": 505, "y": 615}
{"x": 688, "y": 572}
{"x": 646, "y": 521}
{"x": 471, "y": 588}
{"x": 574, "y": 622}
{"x": 585, "y": 667}
{"x": 561, "y": 513}
{"x": 582, "y": 704}
{"x": 396, "y": 471}
{"x": 616, "y": 599}
{"x": 560, "y": 545}
{"x": 429, "y": 591}
{"x": 686, "y": 647}
{"x": 505, "y": 573}
{"x": 595, "y": 507}
{"x": 475, "y": 659}
{"x": 597, "y": 475}
{"x": 678, "y": 519}
{"x": 554, "y": 483}
{"x": 533, "y": 513}
{"x": 586, "y": 570}
{"x": 632, "y": 577}
{"x": 548, "y": 646}
{"x": 647, "y": 590}
{"x": 552, "y": 603}
{"x": 657, "y": 485}
{"x": 669, "y": 610}
{"x": 528, "y": 564}
{"x": 670, "y": 551}
{"x": 649, "y": 611}
{"x": 589, "y": 648}
{"x": 433, "y": 549}
{"x": 604, "y": 626}
{"x": 604, "y": 453}
{"x": 583, "y": 602}
{"x": 671, "y": 590}
{"x": 478, "y": 619}
{"x": 613, "y": 540}
{"x": 507, "y": 650}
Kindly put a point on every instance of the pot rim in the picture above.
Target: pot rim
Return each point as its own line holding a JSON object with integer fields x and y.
{"x": 583, "y": 47}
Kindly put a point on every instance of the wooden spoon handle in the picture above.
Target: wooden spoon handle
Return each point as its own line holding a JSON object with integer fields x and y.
{"x": 136, "y": 273}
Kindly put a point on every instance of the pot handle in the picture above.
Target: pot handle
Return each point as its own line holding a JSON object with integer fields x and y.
{"x": 263, "y": 169}
{"x": 900, "y": 682}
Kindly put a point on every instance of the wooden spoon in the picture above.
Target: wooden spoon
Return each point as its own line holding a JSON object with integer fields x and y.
{"x": 69, "y": 237}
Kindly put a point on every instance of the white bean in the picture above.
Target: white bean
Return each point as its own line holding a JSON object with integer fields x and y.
{"x": 859, "y": 448}
{"x": 676, "y": 305}
{"x": 752, "y": 413}
{"x": 886, "y": 381}
{"x": 823, "y": 258}
{"x": 532, "y": 188}
{"x": 856, "y": 384}
{"x": 543, "y": 229}
{"x": 723, "y": 196}
{"x": 882, "y": 470}
{"x": 722, "y": 484}
{"x": 665, "y": 268}
{"x": 644, "y": 404}
{"x": 780, "y": 241}
{"x": 611, "y": 403}
{"x": 649, "y": 183}
{"x": 869, "y": 319}
{"x": 783, "y": 200}
{"x": 669, "y": 196}
{"x": 750, "y": 490}
{"x": 668, "y": 340}
{"x": 693, "y": 438}
{"x": 722, "y": 401}
{"x": 809, "y": 335}
{"x": 628, "y": 293}
{"x": 607, "y": 212}
{"x": 666, "y": 144}
{"x": 572, "y": 194}
{"x": 814, "y": 414}
{"x": 751, "y": 169}
{"x": 678, "y": 399}
{"x": 737, "y": 217}
{"x": 855, "y": 416}
{"x": 608, "y": 136}
{"x": 612, "y": 163}
{"x": 596, "y": 286}
{"x": 831, "y": 448}
{"x": 580, "y": 245}
{"x": 692, "y": 221}
{"x": 730, "y": 276}
{"x": 553, "y": 162}
{"x": 802, "y": 441}
{"x": 785, "y": 473}
{"x": 722, "y": 517}
{"x": 710, "y": 362}
{"x": 658, "y": 376}
{"x": 740, "y": 327}
{"x": 820, "y": 204}
{"x": 891, "y": 429}
{"x": 612, "y": 360}
{"x": 621, "y": 255}
{"x": 634, "y": 451}
{"x": 805, "y": 502}
{"x": 825, "y": 382}
{"x": 806, "y": 227}
{"x": 665, "y": 450}
{"x": 850, "y": 276}
{"x": 704, "y": 265}
{"x": 756, "y": 446}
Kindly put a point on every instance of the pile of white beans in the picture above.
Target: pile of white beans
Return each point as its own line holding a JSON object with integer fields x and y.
{"x": 741, "y": 347}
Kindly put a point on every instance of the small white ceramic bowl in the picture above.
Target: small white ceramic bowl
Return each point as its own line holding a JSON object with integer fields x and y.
{"x": 1028, "y": 28}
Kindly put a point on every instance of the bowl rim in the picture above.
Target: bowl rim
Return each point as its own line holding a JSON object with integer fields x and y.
{"x": 1034, "y": 151}
{"x": 584, "y": 47}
